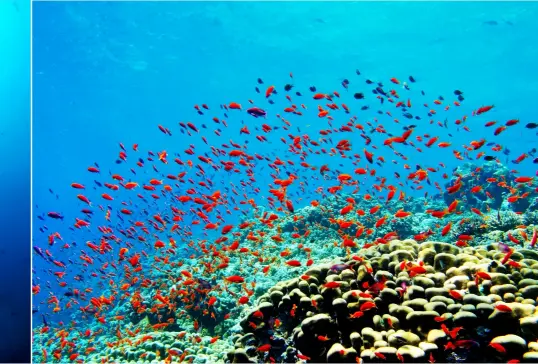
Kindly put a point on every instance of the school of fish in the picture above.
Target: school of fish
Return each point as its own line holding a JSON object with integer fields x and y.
{"x": 179, "y": 232}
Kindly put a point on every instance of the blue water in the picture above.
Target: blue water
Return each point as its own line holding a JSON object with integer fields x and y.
{"x": 109, "y": 73}
{"x": 15, "y": 180}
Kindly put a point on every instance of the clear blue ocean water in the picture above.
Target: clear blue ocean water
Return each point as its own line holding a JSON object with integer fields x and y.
{"x": 106, "y": 73}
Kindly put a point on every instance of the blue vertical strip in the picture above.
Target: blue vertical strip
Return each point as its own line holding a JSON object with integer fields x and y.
{"x": 15, "y": 181}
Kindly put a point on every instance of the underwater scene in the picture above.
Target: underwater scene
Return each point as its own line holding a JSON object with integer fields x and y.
{"x": 233, "y": 182}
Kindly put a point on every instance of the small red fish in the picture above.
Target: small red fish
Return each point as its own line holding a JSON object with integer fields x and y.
{"x": 264, "y": 348}
{"x": 498, "y": 347}
{"x": 455, "y": 294}
{"x": 367, "y": 306}
{"x": 331, "y": 285}
{"x": 503, "y": 307}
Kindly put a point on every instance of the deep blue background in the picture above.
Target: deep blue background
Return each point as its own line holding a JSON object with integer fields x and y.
{"x": 15, "y": 181}
{"x": 106, "y": 73}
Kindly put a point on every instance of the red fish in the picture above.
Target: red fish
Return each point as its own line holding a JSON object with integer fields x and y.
{"x": 484, "y": 109}
{"x": 269, "y": 91}
{"x": 264, "y": 348}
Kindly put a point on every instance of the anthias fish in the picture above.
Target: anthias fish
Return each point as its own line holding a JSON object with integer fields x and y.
{"x": 176, "y": 230}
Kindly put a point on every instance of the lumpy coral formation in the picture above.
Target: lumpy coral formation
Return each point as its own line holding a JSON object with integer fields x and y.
{"x": 401, "y": 301}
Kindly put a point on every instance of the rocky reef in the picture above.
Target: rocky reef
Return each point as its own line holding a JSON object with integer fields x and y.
{"x": 488, "y": 186}
{"x": 402, "y": 301}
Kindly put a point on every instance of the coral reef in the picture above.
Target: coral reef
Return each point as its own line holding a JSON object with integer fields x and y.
{"x": 493, "y": 177}
{"x": 170, "y": 346}
{"x": 401, "y": 301}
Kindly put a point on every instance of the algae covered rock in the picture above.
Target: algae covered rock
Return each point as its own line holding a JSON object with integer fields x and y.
{"x": 412, "y": 353}
{"x": 437, "y": 336}
{"x": 444, "y": 261}
{"x": 529, "y": 327}
{"x": 530, "y": 291}
{"x": 320, "y": 323}
{"x": 240, "y": 356}
{"x": 514, "y": 345}
{"x": 465, "y": 319}
{"x": 339, "y": 354}
{"x": 501, "y": 289}
{"x": 422, "y": 320}
{"x": 401, "y": 338}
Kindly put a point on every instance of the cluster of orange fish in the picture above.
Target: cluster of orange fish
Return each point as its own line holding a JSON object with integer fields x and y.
{"x": 191, "y": 198}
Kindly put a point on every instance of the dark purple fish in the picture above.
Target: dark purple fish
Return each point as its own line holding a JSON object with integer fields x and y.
{"x": 204, "y": 284}
{"x": 55, "y": 215}
{"x": 339, "y": 267}
{"x": 45, "y": 323}
{"x": 256, "y": 112}
{"x": 39, "y": 252}
{"x": 504, "y": 248}
{"x": 70, "y": 293}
